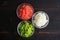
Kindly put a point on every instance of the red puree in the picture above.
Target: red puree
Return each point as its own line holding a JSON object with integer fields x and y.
{"x": 25, "y": 11}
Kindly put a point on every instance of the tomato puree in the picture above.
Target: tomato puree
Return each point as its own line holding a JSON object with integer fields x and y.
{"x": 25, "y": 11}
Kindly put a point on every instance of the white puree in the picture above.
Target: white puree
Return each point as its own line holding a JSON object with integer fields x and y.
{"x": 40, "y": 19}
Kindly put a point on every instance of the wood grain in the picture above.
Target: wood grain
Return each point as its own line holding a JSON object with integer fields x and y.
{"x": 9, "y": 19}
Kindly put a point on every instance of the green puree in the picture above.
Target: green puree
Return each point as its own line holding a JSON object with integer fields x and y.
{"x": 26, "y": 29}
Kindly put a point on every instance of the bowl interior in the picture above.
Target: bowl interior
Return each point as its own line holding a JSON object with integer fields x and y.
{"x": 19, "y": 32}
{"x": 33, "y": 18}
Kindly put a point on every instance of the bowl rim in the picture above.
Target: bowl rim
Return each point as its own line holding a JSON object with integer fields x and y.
{"x": 43, "y": 25}
{"x": 18, "y": 29}
{"x": 19, "y": 6}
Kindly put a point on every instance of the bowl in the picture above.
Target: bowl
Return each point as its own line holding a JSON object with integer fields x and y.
{"x": 25, "y": 29}
{"x": 40, "y": 18}
{"x": 24, "y": 11}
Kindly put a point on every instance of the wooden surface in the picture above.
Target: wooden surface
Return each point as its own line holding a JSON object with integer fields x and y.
{"x": 9, "y": 20}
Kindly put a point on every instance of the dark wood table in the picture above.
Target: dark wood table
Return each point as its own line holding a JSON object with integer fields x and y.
{"x": 9, "y": 19}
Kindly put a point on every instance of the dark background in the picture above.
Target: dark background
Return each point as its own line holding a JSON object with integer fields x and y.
{"x": 9, "y": 19}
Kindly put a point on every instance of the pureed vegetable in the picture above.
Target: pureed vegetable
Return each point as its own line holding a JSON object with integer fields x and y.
{"x": 25, "y": 29}
{"x": 25, "y": 11}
